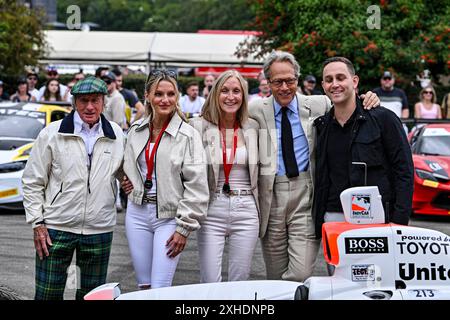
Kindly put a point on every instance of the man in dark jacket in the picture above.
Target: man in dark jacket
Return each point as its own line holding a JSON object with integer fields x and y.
{"x": 351, "y": 139}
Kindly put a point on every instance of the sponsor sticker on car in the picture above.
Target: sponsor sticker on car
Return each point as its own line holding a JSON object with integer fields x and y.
{"x": 361, "y": 208}
{"x": 364, "y": 245}
{"x": 363, "y": 272}
{"x": 9, "y": 193}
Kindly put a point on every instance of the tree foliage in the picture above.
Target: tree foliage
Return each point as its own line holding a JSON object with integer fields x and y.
{"x": 413, "y": 35}
{"x": 162, "y": 15}
{"x": 21, "y": 37}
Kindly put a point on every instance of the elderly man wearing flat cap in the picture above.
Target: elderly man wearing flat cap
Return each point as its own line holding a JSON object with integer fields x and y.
{"x": 69, "y": 193}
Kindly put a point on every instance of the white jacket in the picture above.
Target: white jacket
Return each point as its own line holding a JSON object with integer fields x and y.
{"x": 58, "y": 187}
{"x": 181, "y": 176}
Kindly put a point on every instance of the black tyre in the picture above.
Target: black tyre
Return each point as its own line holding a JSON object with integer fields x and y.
{"x": 301, "y": 293}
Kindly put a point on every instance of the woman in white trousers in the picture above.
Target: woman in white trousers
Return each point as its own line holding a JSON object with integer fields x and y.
{"x": 230, "y": 139}
{"x": 166, "y": 183}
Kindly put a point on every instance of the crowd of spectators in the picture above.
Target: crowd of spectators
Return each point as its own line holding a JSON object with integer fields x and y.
{"x": 194, "y": 96}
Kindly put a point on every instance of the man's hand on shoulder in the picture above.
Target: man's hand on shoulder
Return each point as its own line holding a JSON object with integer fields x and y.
{"x": 370, "y": 100}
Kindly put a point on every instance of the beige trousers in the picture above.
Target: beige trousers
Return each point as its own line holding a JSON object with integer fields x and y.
{"x": 289, "y": 245}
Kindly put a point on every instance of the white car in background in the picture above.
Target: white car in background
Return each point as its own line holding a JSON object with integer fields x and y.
{"x": 20, "y": 124}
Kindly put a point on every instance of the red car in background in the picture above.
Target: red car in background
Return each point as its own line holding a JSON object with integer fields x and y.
{"x": 430, "y": 145}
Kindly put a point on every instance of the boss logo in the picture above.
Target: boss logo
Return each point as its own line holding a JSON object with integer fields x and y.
{"x": 366, "y": 245}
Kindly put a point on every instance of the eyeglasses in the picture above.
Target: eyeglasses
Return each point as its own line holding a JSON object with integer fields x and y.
{"x": 32, "y": 78}
{"x": 387, "y": 78}
{"x": 428, "y": 92}
{"x": 107, "y": 81}
{"x": 52, "y": 73}
{"x": 165, "y": 72}
{"x": 279, "y": 82}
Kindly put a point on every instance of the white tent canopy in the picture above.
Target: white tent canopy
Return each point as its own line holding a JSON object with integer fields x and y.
{"x": 145, "y": 48}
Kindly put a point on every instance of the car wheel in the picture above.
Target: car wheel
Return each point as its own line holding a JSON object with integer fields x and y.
{"x": 301, "y": 293}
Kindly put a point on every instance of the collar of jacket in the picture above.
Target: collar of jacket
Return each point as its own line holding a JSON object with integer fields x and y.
{"x": 67, "y": 126}
{"x": 172, "y": 129}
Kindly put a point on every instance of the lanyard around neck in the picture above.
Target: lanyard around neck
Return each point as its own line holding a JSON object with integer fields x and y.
{"x": 150, "y": 158}
{"x": 227, "y": 165}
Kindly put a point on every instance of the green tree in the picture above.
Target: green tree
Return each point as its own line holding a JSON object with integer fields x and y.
{"x": 162, "y": 15}
{"x": 412, "y": 36}
{"x": 21, "y": 37}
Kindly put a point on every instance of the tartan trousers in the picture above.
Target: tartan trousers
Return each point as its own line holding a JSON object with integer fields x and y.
{"x": 92, "y": 257}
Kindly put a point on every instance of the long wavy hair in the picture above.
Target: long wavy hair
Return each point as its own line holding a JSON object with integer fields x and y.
{"x": 211, "y": 109}
{"x": 48, "y": 94}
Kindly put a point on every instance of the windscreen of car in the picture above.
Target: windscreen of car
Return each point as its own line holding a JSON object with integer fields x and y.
{"x": 435, "y": 145}
{"x": 17, "y": 126}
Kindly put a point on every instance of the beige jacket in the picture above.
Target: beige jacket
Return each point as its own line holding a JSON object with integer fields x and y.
{"x": 213, "y": 146}
{"x": 262, "y": 110}
{"x": 181, "y": 178}
{"x": 59, "y": 188}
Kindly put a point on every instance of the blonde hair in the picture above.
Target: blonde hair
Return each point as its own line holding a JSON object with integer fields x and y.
{"x": 153, "y": 79}
{"x": 432, "y": 90}
{"x": 211, "y": 109}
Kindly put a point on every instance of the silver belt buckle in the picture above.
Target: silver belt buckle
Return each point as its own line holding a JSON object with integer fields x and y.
{"x": 149, "y": 198}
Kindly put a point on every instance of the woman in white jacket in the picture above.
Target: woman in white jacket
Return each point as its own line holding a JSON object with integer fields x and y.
{"x": 231, "y": 142}
{"x": 167, "y": 168}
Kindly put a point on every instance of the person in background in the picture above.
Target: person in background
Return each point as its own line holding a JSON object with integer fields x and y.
{"x": 259, "y": 78}
{"x": 137, "y": 108}
{"x": 166, "y": 182}
{"x": 208, "y": 82}
{"x": 445, "y": 107}
{"x": 22, "y": 94}
{"x": 100, "y": 72}
{"x": 67, "y": 96}
{"x": 192, "y": 103}
{"x": 4, "y": 96}
{"x": 79, "y": 76}
{"x": 52, "y": 74}
{"x": 309, "y": 86}
{"x": 427, "y": 108}
{"x": 68, "y": 194}
{"x": 52, "y": 91}
{"x": 392, "y": 98}
{"x": 115, "y": 103}
{"x": 32, "y": 79}
{"x": 231, "y": 141}
{"x": 76, "y": 77}
{"x": 264, "y": 90}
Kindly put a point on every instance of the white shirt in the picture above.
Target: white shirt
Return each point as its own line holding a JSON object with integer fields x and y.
{"x": 34, "y": 93}
{"x": 62, "y": 91}
{"x": 89, "y": 135}
{"x": 191, "y": 106}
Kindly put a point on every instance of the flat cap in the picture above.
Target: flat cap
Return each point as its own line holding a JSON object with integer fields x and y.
{"x": 89, "y": 85}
